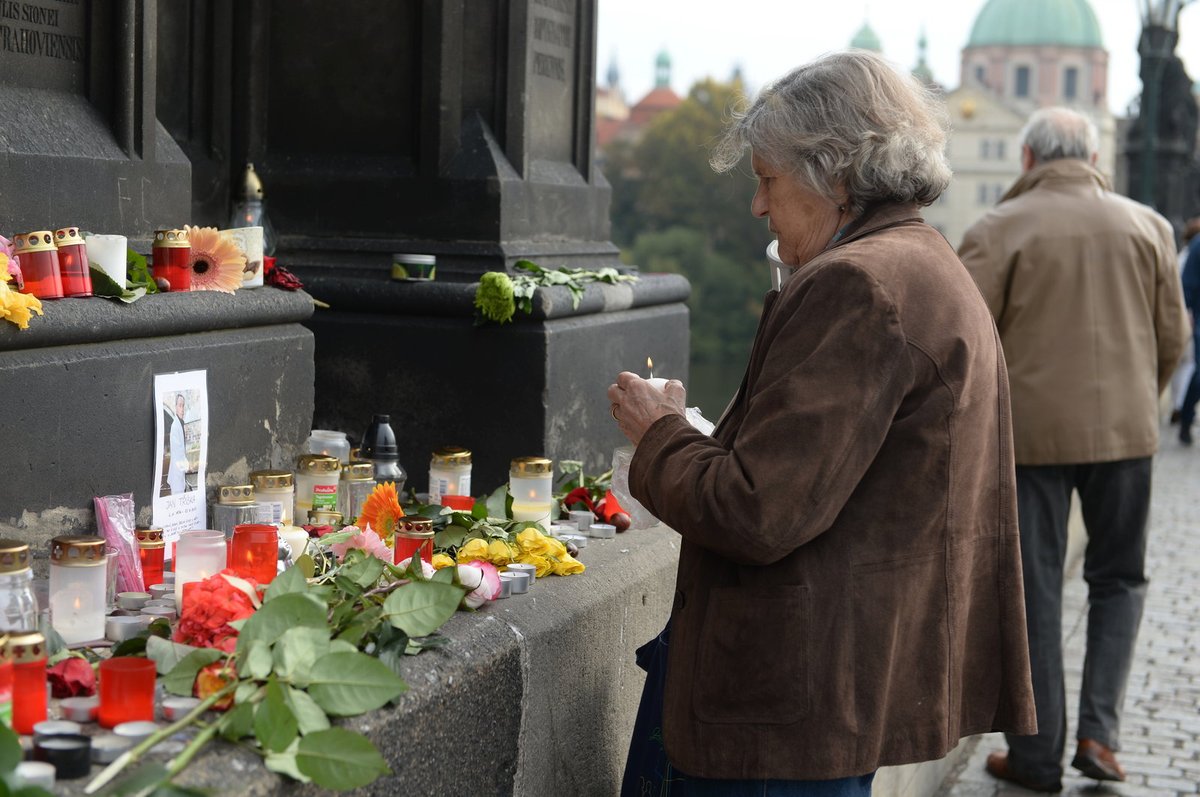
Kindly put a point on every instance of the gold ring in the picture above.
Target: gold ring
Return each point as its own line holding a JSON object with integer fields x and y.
{"x": 614, "y": 413}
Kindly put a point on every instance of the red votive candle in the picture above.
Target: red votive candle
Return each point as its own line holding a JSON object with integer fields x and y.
{"x": 173, "y": 258}
{"x": 126, "y": 690}
{"x": 39, "y": 264}
{"x": 413, "y": 535}
{"x": 459, "y": 503}
{"x": 28, "y": 651}
{"x": 255, "y": 552}
{"x": 73, "y": 262}
{"x": 150, "y": 550}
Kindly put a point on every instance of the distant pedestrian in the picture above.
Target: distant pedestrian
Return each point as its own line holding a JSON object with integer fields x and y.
{"x": 1083, "y": 285}
{"x": 1191, "y": 297}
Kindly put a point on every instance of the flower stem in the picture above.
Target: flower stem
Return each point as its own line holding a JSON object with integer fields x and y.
{"x": 180, "y": 762}
{"x": 136, "y": 752}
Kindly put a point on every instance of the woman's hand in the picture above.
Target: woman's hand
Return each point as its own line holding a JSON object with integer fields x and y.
{"x": 636, "y": 403}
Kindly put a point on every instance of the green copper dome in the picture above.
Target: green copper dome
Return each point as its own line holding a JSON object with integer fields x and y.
{"x": 866, "y": 39}
{"x": 1068, "y": 23}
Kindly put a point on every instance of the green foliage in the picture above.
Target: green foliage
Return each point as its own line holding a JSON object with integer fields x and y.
{"x": 499, "y": 295}
{"x": 339, "y": 759}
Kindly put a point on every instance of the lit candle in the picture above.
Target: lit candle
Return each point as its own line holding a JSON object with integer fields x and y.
{"x": 530, "y": 483}
{"x": 296, "y": 538}
{"x": 656, "y": 382}
{"x": 78, "y": 580}
{"x": 200, "y": 553}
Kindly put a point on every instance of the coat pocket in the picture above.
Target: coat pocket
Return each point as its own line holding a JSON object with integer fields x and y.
{"x": 753, "y": 656}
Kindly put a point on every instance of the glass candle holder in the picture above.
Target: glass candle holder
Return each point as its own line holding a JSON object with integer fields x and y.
{"x": 173, "y": 258}
{"x": 73, "y": 262}
{"x": 110, "y": 254}
{"x": 18, "y": 602}
{"x": 329, "y": 443}
{"x": 200, "y": 553}
{"x": 274, "y": 492}
{"x": 6, "y": 682}
{"x": 78, "y": 587}
{"x": 39, "y": 263}
{"x": 357, "y": 482}
{"x": 413, "y": 536}
{"x": 316, "y": 484}
{"x": 255, "y": 552}
{"x": 449, "y": 473}
{"x": 530, "y": 485}
{"x": 126, "y": 690}
{"x": 235, "y": 506}
{"x": 28, "y": 652}
{"x": 151, "y": 548}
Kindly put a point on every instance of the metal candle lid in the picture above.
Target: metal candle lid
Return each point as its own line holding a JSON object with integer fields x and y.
{"x": 359, "y": 472}
{"x": 414, "y": 526}
{"x": 451, "y": 455}
{"x": 236, "y": 495}
{"x": 38, "y": 241}
{"x": 531, "y": 466}
{"x": 77, "y": 551}
{"x": 27, "y": 646}
{"x": 172, "y": 239}
{"x": 272, "y": 480}
{"x": 67, "y": 236}
{"x": 324, "y": 517}
{"x": 149, "y": 538}
{"x": 318, "y": 463}
{"x": 14, "y": 556}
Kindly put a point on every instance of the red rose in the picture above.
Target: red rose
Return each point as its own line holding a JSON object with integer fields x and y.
{"x": 208, "y": 608}
{"x": 72, "y": 677}
{"x": 280, "y": 277}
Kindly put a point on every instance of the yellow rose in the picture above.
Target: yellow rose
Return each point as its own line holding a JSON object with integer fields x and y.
{"x": 441, "y": 560}
{"x": 555, "y": 548}
{"x": 568, "y": 565}
{"x": 533, "y": 541}
{"x": 542, "y": 563}
{"x": 473, "y": 549}
{"x": 499, "y": 552}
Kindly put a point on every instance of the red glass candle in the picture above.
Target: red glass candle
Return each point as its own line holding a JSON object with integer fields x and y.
{"x": 39, "y": 264}
{"x": 28, "y": 651}
{"x": 151, "y": 548}
{"x": 6, "y": 682}
{"x": 73, "y": 262}
{"x": 173, "y": 258}
{"x": 459, "y": 503}
{"x": 126, "y": 690}
{"x": 413, "y": 536}
{"x": 256, "y": 552}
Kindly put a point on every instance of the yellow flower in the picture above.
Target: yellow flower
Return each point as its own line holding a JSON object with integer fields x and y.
{"x": 534, "y": 542}
{"x": 473, "y": 549}
{"x": 542, "y": 563}
{"x": 568, "y": 565}
{"x": 499, "y": 552}
{"x": 16, "y": 307}
{"x": 441, "y": 560}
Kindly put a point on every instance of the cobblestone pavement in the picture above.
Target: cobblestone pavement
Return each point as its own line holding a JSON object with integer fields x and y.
{"x": 1160, "y": 735}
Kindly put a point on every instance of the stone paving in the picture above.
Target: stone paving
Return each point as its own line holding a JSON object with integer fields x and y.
{"x": 1160, "y": 744}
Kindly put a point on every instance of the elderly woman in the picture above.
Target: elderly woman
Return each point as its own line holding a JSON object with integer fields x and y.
{"x": 849, "y": 587}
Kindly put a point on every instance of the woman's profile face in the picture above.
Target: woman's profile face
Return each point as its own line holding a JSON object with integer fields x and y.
{"x": 803, "y": 220}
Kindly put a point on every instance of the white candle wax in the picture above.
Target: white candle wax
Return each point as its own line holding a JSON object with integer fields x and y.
{"x": 108, "y": 252}
{"x": 657, "y": 382}
{"x": 538, "y": 512}
{"x": 296, "y": 538}
{"x": 77, "y": 602}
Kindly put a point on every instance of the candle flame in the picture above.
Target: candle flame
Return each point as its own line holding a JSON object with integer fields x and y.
{"x": 650, "y": 367}
{"x": 78, "y": 603}
{"x": 532, "y": 494}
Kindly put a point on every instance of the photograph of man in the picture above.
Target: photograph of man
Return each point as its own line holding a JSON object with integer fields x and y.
{"x": 178, "y": 466}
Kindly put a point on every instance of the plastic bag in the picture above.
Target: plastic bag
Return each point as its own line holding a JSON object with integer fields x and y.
{"x": 639, "y": 516}
{"x": 115, "y": 519}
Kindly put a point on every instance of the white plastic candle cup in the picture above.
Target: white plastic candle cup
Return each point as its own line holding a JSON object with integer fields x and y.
{"x": 55, "y": 728}
{"x": 118, "y": 629}
{"x": 80, "y": 709}
{"x": 200, "y": 553}
{"x": 602, "y": 531}
{"x": 78, "y": 580}
{"x": 108, "y": 253}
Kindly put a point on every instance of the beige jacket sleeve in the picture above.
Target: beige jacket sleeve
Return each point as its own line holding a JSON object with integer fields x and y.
{"x": 1171, "y": 326}
{"x": 985, "y": 264}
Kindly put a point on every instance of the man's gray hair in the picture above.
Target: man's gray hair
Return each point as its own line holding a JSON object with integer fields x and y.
{"x": 1056, "y": 133}
{"x": 847, "y": 119}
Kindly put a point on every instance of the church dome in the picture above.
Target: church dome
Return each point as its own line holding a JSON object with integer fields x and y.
{"x": 1066, "y": 23}
{"x": 866, "y": 39}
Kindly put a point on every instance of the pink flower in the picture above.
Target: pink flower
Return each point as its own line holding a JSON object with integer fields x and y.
{"x": 368, "y": 541}
{"x": 14, "y": 263}
{"x": 483, "y": 579}
{"x": 426, "y": 568}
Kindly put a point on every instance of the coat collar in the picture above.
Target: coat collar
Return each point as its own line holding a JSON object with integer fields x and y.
{"x": 875, "y": 218}
{"x": 1063, "y": 169}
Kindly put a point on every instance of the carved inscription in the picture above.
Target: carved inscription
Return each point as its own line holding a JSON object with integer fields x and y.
{"x": 23, "y": 30}
{"x": 552, "y": 65}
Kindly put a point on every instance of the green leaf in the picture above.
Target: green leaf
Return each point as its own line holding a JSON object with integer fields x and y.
{"x": 181, "y": 680}
{"x": 273, "y": 619}
{"x": 175, "y": 790}
{"x": 366, "y": 572}
{"x": 248, "y": 692}
{"x": 306, "y": 566}
{"x": 496, "y": 503}
{"x": 285, "y": 764}
{"x": 342, "y": 646}
{"x": 255, "y": 662}
{"x": 296, "y": 651}
{"x": 445, "y": 575}
{"x": 309, "y": 715}
{"x": 422, "y": 607}
{"x": 237, "y": 723}
{"x": 345, "y": 684}
{"x": 10, "y": 749}
{"x": 339, "y": 759}
{"x": 166, "y": 654}
{"x": 287, "y": 582}
{"x": 480, "y": 510}
{"x": 274, "y": 723}
{"x": 104, "y": 285}
{"x": 331, "y": 539}
{"x": 135, "y": 646}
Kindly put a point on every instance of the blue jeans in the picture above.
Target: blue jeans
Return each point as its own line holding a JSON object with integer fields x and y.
{"x": 1187, "y": 411}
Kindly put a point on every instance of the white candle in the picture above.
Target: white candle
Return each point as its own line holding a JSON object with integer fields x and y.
{"x": 78, "y": 579}
{"x": 108, "y": 252}
{"x": 296, "y": 538}
{"x": 539, "y": 512}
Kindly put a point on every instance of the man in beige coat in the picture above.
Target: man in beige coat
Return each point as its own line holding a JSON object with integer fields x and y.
{"x": 1083, "y": 285}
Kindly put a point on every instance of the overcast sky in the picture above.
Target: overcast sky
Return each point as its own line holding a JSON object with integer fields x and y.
{"x": 769, "y": 37}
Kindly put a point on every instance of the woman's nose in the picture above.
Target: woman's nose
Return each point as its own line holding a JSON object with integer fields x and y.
{"x": 758, "y": 205}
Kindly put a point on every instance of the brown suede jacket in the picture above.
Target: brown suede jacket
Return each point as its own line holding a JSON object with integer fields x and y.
{"x": 849, "y": 591}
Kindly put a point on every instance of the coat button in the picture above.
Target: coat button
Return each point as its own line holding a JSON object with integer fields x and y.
{"x": 680, "y": 600}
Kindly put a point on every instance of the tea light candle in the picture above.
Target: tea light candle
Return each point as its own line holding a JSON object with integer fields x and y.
{"x": 602, "y": 531}
{"x": 79, "y": 709}
{"x": 36, "y": 773}
{"x": 137, "y": 731}
{"x": 176, "y": 708}
{"x": 579, "y": 540}
{"x": 132, "y": 600}
{"x": 168, "y": 614}
{"x": 583, "y": 519}
{"x": 158, "y": 591}
{"x": 70, "y": 755}
{"x": 528, "y": 570}
{"x": 518, "y": 582}
{"x": 118, "y": 629}
{"x": 55, "y": 728}
{"x": 106, "y": 748}
{"x": 505, "y": 588}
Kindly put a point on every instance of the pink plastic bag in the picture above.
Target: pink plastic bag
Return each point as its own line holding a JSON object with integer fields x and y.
{"x": 115, "y": 519}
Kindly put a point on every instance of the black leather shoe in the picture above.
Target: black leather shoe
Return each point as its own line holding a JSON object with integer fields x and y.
{"x": 1097, "y": 761}
{"x": 1185, "y": 435}
{"x": 997, "y": 767}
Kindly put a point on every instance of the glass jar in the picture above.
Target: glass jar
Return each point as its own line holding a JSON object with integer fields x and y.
{"x": 6, "y": 682}
{"x": 449, "y": 473}
{"x": 316, "y": 484}
{"x": 151, "y": 548}
{"x": 235, "y": 506}
{"x": 173, "y": 258}
{"x": 358, "y": 480}
{"x": 73, "y": 262}
{"x": 330, "y": 443}
{"x": 275, "y": 493}
{"x": 18, "y": 603}
{"x": 408, "y": 267}
{"x": 530, "y": 485}
{"x": 379, "y": 448}
{"x": 39, "y": 264}
{"x": 255, "y": 552}
{"x": 78, "y": 582}
{"x": 199, "y": 553}
{"x": 413, "y": 536}
{"x": 28, "y": 652}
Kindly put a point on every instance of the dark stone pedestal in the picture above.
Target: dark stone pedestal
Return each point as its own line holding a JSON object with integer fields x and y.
{"x": 77, "y": 392}
{"x": 533, "y": 387}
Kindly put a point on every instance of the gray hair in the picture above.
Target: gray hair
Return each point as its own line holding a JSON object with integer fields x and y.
{"x": 1057, "y": 133}
{"x": 847, "y": 119}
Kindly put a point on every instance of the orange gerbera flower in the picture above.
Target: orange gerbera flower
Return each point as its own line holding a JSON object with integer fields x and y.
{"x": 381, "y": 510}
{"x": 217, "y": 262}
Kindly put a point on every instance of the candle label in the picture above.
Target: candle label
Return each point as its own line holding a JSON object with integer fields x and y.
{"x": 269, "y": 511}
{"x": 325, "y": 497}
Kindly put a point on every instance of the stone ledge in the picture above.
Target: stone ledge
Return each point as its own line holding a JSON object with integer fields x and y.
{"x": 69, "y": 322}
